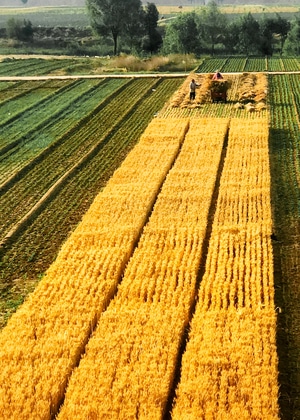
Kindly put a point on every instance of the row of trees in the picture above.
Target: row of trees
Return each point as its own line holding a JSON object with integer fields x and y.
{"x": 127, "y": 19}
{"x": 18, "y": 29}
{"x": 209, "y": 28}
{"x": 203, "y": 30}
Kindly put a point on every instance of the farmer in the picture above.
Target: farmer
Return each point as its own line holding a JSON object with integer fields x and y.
{"x": 193, "y": 86}
{"x": 217, "y": 76}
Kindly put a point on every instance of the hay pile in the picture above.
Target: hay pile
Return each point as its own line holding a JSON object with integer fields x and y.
{"x": 252, "y": 92}
{"x": 219, "y": 86}
{"x": 181, "y": 98}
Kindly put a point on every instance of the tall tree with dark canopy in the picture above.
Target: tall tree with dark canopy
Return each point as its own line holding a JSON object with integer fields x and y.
{"x": 249, "y": 39}
{"x": 213, "y": 23}
{"x": 281, "y": 27}
{"x": 113, "y": 17}
{"x": 153, "y": 39}
{"x": 292, "y": 45}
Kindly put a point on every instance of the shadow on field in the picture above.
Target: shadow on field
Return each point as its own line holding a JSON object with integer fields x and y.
{"x": 286, "y": 271}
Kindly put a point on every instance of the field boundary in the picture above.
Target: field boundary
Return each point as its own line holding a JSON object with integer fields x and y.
{"x": 131, "y": 75}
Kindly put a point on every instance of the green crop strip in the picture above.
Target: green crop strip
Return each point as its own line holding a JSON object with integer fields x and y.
{"x": 84, "y": 98}
{"x": 31, "y": 67}
{"x": 25, "y": 193}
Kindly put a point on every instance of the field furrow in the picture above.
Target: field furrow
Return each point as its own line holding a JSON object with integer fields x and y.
{"x": 5, "y": 86}
{"x": 236, "y": 64}
{"x": 32, "y": 67}
{"x": 17, "y": 89}
{"x": 211, "y": 65}
{"x": 256, "y": 64}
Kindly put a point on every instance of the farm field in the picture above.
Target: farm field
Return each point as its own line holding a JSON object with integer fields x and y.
{"x": 163, "y": 226}
{"x": 68, "y": 66}
{"x": 77, "y": 16}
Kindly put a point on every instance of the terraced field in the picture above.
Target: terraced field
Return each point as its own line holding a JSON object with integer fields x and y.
{"x": 169, "y": 235}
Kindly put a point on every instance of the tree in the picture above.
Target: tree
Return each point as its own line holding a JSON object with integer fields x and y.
{"x": 182, "y": 35}
{"x": 292, "y": 45}
{"x": 24, "y": 1}
{"x": 213, "y": 23}
{"x": 267, "y": 41}
{"x": 153, "y": 39}
{"x": 273, "y": 30}
{"x": 113, "y": 17}
{"x": 249, "y": 38}
{"x": 18, "y": 29}
{"x": 281, "y": 28}
{"x": 134, "y": 29}
{"x": 231, "y": 37}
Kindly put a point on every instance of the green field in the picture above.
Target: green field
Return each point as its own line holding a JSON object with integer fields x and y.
{"x": 77, "y": 16}
{"x": 47, "y": 16}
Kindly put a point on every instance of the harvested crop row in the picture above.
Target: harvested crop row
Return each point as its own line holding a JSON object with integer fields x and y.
{"x": 130, "y": 362}
{"x": 253, "y": 91}
{"x": 181, "y": 98}
{"x": 44, "y": 339}
{"x": 202, "y": 107}
{"x": 229, "y": 369}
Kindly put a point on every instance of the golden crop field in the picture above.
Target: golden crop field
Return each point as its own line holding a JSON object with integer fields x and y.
{"x": 160, "y": 304}
{"x": 229, "y": 368}
{"x": 231, "y": 9}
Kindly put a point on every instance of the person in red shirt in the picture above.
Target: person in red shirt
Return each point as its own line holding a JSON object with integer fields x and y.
{"x": 217, "y": 76}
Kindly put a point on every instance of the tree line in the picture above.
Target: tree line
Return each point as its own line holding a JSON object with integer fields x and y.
{"x": 205, "y": 30}
{"x": 131, "y": 27}
{"x": 210, "y": 31}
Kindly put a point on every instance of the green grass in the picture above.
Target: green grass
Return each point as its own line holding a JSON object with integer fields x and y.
{"x": 47, "y": 16}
